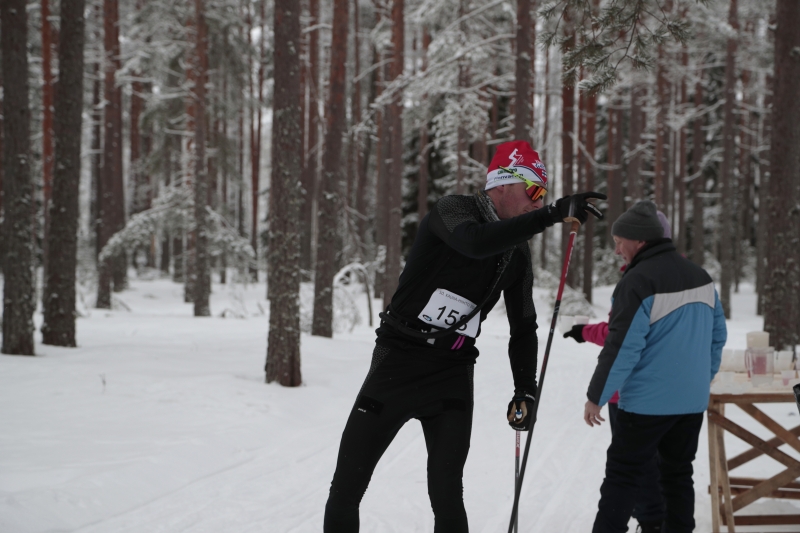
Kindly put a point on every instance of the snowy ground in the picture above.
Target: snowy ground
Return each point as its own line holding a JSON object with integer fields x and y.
{"x": 159, "y": 421}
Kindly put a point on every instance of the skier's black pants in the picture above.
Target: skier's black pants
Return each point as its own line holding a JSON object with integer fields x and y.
{"x": 649, "y": 508}
{"x": 637, "y": 440}
{"x": 402, "y": 385}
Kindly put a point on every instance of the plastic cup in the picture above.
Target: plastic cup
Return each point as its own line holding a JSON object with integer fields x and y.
{"x": 725, "y": 377}
{"x": 726, "y": 362}
{"x": 783, "y": 360}
{"x": 787, "y": 376}
{"x": 580, "y": 320}
{"x": 566, "y": 323}
{"x": 739, "y": 362}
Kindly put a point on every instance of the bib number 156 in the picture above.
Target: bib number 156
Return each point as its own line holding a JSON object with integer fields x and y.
{"x": 445, "y": 308}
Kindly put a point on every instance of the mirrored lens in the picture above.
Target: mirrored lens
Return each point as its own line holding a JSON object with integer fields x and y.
{"x": 535, "y": 192}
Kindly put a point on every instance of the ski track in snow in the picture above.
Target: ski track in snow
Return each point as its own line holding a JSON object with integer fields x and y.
{"x": 161, "y": 422}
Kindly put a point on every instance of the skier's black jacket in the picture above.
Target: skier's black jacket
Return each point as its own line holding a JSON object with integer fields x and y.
{"x": 458, "y": 247}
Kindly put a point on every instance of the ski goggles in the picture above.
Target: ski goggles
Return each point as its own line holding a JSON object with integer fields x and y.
{"x": 534, "y": 190}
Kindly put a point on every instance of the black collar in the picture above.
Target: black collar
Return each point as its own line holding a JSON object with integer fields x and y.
{"x": 651, "y": 249}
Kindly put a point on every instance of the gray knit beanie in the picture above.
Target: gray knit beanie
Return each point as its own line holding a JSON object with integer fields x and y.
{"x": 639, "y": 223}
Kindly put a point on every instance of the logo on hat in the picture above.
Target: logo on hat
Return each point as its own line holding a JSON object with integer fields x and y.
{"x": 522, "y": 159}
{"x": 515, "y": 159}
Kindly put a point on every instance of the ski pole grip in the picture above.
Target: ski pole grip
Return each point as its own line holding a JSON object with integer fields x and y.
{"x": 575, "y": 224}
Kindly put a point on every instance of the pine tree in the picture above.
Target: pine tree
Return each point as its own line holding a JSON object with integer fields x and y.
{"x": 111, "y": 193}
{"x": 283, "y": 348}
{"x": 395, "y": 181}
{"x": 727, "y": 177}
{"x": 328, "y": 201}
{"x": 62, "y": 246}
{"x": 18, "y": 287}
{"x": 202, "y": 286}
{"x": 782, "y": 285}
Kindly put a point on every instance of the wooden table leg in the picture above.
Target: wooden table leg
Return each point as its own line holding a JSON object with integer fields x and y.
{"x": 713, "y": 464}
{"x": 723, "y": 474}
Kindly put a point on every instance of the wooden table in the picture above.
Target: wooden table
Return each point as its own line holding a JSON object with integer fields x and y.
{"x": 730, "y": 494}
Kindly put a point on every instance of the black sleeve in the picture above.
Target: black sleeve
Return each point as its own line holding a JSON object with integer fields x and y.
{"x": 469, "y": 237}
{"x": 523, "y": 344}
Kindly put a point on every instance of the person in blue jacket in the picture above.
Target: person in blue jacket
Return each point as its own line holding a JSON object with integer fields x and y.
{"x": 665, "y": 337}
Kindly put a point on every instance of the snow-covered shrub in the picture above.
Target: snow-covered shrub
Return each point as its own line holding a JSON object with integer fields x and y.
{"x": 173, "y": 211}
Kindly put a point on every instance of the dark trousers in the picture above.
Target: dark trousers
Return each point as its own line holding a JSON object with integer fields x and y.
{"x": 649, "y": 508}
{"x": 401, "y": 386}
{"x": 637, "y": 441}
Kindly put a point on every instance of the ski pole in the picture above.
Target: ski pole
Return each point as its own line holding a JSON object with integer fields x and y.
{"x": 564, "y": 269}
{"x": 516, "y": 470}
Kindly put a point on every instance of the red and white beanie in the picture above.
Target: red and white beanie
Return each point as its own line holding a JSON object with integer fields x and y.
{"x": 519, "y": 157}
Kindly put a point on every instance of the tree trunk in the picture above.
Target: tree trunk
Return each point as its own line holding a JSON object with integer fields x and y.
{"x": 422, "y": 176}
{"x": 699, "y": 182}
{"x": 546, "y": 147}
{"x": 311, "y": 157}
{"x": 782, "y": 286}
{"x": 137, "y": 106}
{"x": 395, "y": 185}
{"x": 382, "y": 178}
{"x": 96, "y": 159}
{"x": 588, "y": 234}
{"x": 47, "y": 127}
{"x": 283, "y": 348}
{"x": 112, "y": 207}
{"x": 202, "y": 285}
{"x": 636, "y": 128}
{"x": 662, "y": 139}
{"x": 679, "y": 232}
{"x": 615, "y": 195}
{"x": 567, "y": 146}
{"x": 364, "y": 228}
{"x": 765, "y": 134}
{"x": 2, "y": 127}
{"x": 255, "y": 144}
{"x": 522, "y": 102}
{"x": 328, "y": 201}
{"x": 18, "y": 288}
{"x": 59, "y": 301}
{"x": 727, "y": 178}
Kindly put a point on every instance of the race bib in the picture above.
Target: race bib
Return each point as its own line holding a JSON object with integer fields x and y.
{"x": 446, "y": 308}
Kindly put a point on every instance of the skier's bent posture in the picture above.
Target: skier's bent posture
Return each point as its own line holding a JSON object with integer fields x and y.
{"x": 467, "y": 250}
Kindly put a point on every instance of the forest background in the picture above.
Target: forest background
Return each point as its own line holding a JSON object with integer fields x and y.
{"x": 301, "y": 142}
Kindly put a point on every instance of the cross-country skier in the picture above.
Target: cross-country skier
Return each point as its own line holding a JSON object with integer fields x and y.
{"x": 467, "y": 250}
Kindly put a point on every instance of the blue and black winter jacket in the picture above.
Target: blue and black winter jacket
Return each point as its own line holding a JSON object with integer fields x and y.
{"x": 665, "y": 336}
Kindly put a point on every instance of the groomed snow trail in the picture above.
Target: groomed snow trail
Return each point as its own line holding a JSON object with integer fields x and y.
{"x": 161, "y": 422}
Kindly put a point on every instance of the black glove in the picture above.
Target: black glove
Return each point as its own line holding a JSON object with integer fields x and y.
{"x": 576, "y": 333}
{"x": 522, "y": 406}
{"x": 576, "y": 206}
